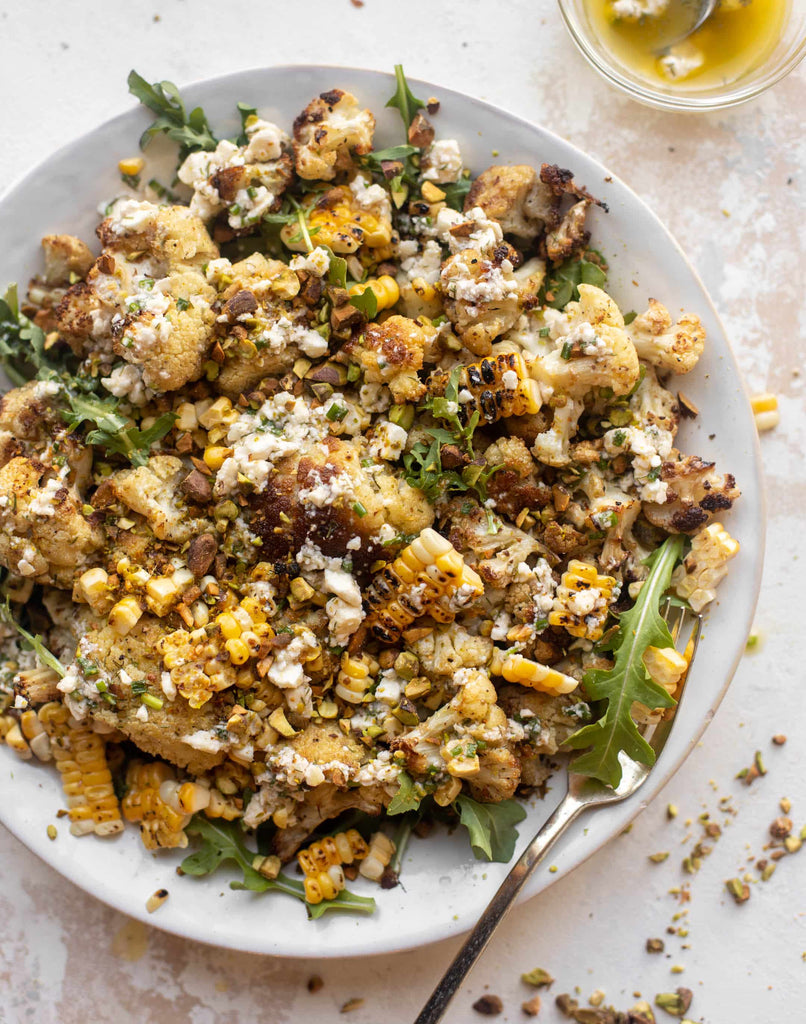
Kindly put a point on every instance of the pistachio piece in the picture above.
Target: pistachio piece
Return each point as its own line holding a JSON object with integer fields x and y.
{"x": 781, "y": 827}
{"x": 738, "y": 889}
{"x": 537, "y": 978}
{"x": 674, "y": 1003}
{"x": 655, "y": 945}
{"x": 659, "y": 858}
{"x": 488, "y": 1006}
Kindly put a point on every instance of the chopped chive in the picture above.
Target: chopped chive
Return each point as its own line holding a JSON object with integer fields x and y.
{"x": 336, "y": 412}
{"x": 359, "y": 509}
{"x": 151, "y": 701}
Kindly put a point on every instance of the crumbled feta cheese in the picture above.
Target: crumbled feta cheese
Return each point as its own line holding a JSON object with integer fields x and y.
{"x": 485, "y": 235}
{"x": 634, "y": 10}
{"x": 46, "y": 389}
{"x": 509, "y": 379}
{"x": 501, "y": 625}
{"x": 43, "y": 502}
{"x": 284, "y": 332}
{"x": 344, "y": 610}
{"x": 388, "y": 440}
{"x": 131, "y": 215}
{"x": 372, "y": 198}
{"x": 327, "y": 492}
{"x": 266, "y": 142}
{"x": 425, "y": 265}
{"x": 649, "y": 448}
{"x": 126, "y": 381}
{"x": 167, "y": 686}
{"x": 141, "y": 713}
{"x": 203, "y": 739}
{"x": 442, "y": 162}
{"x": 375, "y": 397}
{"x": 681, "y": 61}
{"x": 315, "y": 262}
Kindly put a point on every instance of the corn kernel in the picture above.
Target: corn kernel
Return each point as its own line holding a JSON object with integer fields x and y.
{"x": 216, "y": 413}
{"x": 131, "y": 165}
{"x": 228, "y": 625}
{"x": 161, "y": 594}
{"x": 93, "y": 584}
{"x": 253, "y": 609}
{"x": 237, "y": 650}
{"x": 214, "y": 456}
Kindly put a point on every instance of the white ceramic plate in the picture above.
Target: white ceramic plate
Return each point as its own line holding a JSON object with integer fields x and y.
{"x": 443, "y": 888}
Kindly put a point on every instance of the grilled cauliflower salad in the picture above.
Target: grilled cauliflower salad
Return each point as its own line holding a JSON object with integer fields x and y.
{"x": 324, "y": 487}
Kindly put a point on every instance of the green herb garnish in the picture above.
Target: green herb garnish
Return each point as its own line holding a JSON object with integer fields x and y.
{"x": 223, "y": 841}
{"x": 491, "y": 827}
{"x": 628, "y": 680}
{"x": 190, "y": 130}
{"x": 407, "y": 798}
{"x": 35, "y": 642}
{"x": 404, "y": 99}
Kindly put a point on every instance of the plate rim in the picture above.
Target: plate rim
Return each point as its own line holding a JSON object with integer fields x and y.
{"x": 627, "y": 810}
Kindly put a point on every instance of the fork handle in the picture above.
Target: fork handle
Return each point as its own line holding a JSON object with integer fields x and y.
{"x": 475, "y": 944}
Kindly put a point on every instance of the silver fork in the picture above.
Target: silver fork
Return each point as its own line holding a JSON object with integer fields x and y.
{"x": 582, "y": 794}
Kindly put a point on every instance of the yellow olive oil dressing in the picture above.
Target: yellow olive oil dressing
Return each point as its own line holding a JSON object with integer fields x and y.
{"x": 737, "y": 38}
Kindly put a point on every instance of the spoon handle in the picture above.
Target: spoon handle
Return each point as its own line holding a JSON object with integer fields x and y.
{"x": 475, "y": 944}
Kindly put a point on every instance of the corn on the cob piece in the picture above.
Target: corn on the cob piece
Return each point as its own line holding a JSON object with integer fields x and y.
{"x": 337, "y": 220}
{"x": 326, "y": 885}
{"x": 582, "y": 600}
{"x": 765, "y": 411}
{"x": 517, "y": 669}
{"x": 495, "y": 387}
{"x": 343, "y": 848}
{"x": 429, "y": 577}
{"x": 377, "y": 859}
{"x": 705, "y": 565}
{"x": 384, "y": 288}
{"x": 33, "y": 731}
{"x": 80, "y": 757}
{"x": 356, "y": 676}
{"x": 16, "y": 741}
{"x": 161, "y": 825}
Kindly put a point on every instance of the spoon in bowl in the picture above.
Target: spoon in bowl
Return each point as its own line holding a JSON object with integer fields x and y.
{"x": 703, "y": 11}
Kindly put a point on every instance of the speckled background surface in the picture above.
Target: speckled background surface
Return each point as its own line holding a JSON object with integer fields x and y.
{"x": 730, "y": 186}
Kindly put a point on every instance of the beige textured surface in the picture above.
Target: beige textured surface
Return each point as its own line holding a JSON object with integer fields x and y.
{"x": 730, "y": 187}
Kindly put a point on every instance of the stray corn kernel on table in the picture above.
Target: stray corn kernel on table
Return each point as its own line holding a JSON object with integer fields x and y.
{"x": 67, "y": 958}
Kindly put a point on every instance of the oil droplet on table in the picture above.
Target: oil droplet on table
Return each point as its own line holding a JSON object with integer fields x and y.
{"x": 736, "y": 39}
{"x": 130, "y": 941}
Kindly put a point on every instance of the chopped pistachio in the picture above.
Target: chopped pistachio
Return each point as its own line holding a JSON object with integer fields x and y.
{"x": 315, "y": 983}
{"x": 768, "y": 872}
{"x": 779, "y": 739}
{"x": 531, "y": 1007}
{"x": 785, "y": 804}
{"x": 674, "y": 1003}
{"x": 596, "y": 998}
{"x": 781, "y": 827}
{"x": 52, "y": 833}
{"x": 655, "y": 945}
{"x": 739, "y": 891}
{"x": 676, "y": 968}
{"x": 488, "y": 1005}
{"x": 659, "y": 858}
{"x": 671, "y": 811}
{"x": 792, "y": 844}
{"x": 538, "y": 978}
{"x": 352, "y": 1004}
{"x": 759, "y": 763}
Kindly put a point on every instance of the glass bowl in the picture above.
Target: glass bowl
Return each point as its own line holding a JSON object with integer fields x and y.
{"x": 787, "y": 54}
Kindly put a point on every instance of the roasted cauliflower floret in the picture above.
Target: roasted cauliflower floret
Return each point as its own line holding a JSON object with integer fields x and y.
{"x": 495, "y": 556}
{"x": 652, "y": 405}
{"x": 570, "y": 236}
{"x": 695, "y": 493}
{"x": 28, "y": 419}
{"x": 553, "y": 446}
{"x": 44, "y": 534}
{"x": 544, "y": 717}
{"x": 498, "y": 776}
{"x": 245, "y": 181}
{"x": 171, "y": 236}
{"x": 670, "y": 345}
{"x": 344, "y": 218}
{"x": 705, "y": 566}
{"x": 447, "y": 740}
{"x": 449, "y": 648}
{"x": 515, "y": 197}
{"x": 591, "y": 348}
{"x": 154, "y": 492}
{"x": 612, "y": 512}
{"x": 391, "y": 353}
{"x": 481, "y": 298}
{"x": 175, "y": 731}
{"x": 328, "y": 132}
{"x": 65, "y": 256}
{"x": 515, "y": 486}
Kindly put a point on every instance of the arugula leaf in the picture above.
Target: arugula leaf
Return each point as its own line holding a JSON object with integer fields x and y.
{"x": 628, "y": 680}
{"x": 491, "y": 827}
{"x": 190, "y": 130}
{"x": 22, "y": 343}
{"x": 35, "y": 642}
{"x": 407, "y": 797}
{"x": 222, "y": 842}
{"x": 245, "y": 112}
{"x": 564, "y": 281}
{"x": 455, "y": 192}
{"x": 135, "y": 444}
{"x": 366, "y": 301}
{"x": 337, "y": 272}
{"x": 404, "y": 99}
{"x": 376, "y": 157}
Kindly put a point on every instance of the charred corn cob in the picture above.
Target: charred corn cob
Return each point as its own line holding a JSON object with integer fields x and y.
{"x": 377, "y": 859}
{"x": 582, "y": 600}
{"x": 705, "y": 565}
{"x": 322, "y": 861}
{"x": 384, "y": 288}
{"x": 337, "y": 220}
{"x": 161, "y": 824}
{"x": 494, "y": 387}
{"x": 356, "y": 676}
{"x": 80, "y": 757}
{"x": 429, "y": 577}
{"x": 517, "y": 669}
{"x": 343, "y": 848}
